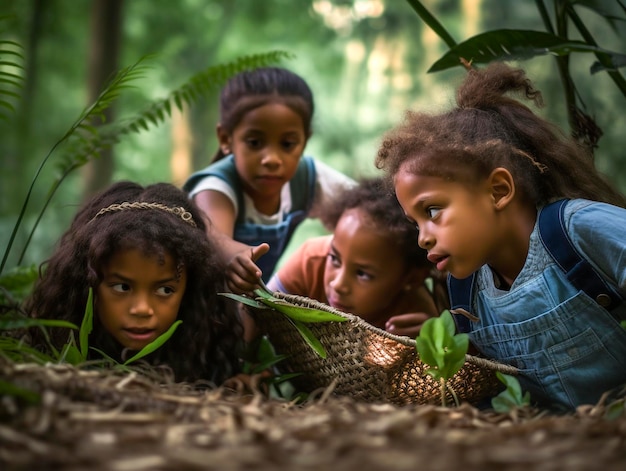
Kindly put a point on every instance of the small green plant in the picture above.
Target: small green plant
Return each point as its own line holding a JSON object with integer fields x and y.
{"x": 261, "y": 357}
{"x": 297, "y": 315}
{"x": 511, "y": 397}
{"x": 442, "y": 350}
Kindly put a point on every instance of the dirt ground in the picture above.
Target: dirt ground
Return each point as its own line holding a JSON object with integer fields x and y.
{"x": 86, "y": 420}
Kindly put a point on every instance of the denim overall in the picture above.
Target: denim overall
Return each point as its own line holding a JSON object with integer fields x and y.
{"x": 569, "y": 349}
{"x": 302, "y": 187}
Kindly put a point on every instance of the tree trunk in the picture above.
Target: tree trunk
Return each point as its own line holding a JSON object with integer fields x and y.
{"x": 106, "y": 22}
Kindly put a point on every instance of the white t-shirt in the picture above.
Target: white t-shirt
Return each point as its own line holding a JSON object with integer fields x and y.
{"x": 328, "y": 183}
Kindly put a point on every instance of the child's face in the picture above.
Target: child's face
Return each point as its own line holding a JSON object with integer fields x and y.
{"x": 139, "y": 298}
{"x": 458, "y": 225}
{"x": 364, "y": 269}
{"x": 267, "y": 143}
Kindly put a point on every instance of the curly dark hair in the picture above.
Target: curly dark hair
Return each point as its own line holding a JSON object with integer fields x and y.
{"x": 489, "y": 129}
{"x": 378, "y": 201}
{"x": 254, "y": 88}
{"x": 204, "y": 346}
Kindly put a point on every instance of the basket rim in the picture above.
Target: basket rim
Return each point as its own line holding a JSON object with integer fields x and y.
{"x": 404, "y": 340}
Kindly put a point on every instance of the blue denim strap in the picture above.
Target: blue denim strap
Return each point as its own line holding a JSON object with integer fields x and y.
{"x": 578, "y": 270}
{"x": 460, "y": 293}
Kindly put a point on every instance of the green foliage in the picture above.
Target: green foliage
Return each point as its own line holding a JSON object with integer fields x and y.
{"x": 26, "y": 396}
{"x": 297, "y": 315}
{"x": 72, "y": 353}
{"x": 520, "y": 44}
{"x": 16, "y": 284}
{"x": 11, "y": 81}
{"x": 441, "y": 349}
{"x": 156, "y": 343}
{"x": 615, "y": 409}
{"x": 511, "y": 397}
{"x": 262, "y": 357}
{"x": 512, "y": 44}
{"x": 84, "y": 141}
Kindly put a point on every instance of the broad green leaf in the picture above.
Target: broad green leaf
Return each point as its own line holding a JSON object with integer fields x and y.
{"x": 303, "y": 314}
{"x": 86, "y": 327}
{"x": 244, "y": 300}
{"x": 265, "y": 294}
{"x": 70, "y": 354}
{"x": 511, "y": 397}
{"x": 308, "y": 336}
{"x": 425, "y": 349}
{"x": 510, "y": 44}
{"x": 453, "y": 362}
{"x": 156, "y": 343}
{"x": 439, "y": 348}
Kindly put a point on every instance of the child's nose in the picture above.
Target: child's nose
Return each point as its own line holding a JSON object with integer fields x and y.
{"x": 271, "y": 157}
{"x": 425, "y": 239}
{"x": 141, "y": 305}
{"x": 340, "y": 281}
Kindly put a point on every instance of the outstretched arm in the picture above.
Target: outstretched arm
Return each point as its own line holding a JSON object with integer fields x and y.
{"x": 242, "y": 273}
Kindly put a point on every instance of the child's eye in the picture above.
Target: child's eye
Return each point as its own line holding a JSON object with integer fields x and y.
{"x": 254, "y": 143}
{"x": 121, "y": 287}
{"x": 334, "y": 260}
{"x": 165, "y": 291}
{"x": 432, "y": 211}
{"x": 289, "y": 145}
{"x": 364, "y": 275}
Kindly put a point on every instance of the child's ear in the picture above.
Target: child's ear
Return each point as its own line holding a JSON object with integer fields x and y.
{"x": 223, "y": 138}
{"x": 502, "y": 187}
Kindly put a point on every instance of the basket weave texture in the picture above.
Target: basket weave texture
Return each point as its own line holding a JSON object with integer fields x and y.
{"x": 368, "y": 363}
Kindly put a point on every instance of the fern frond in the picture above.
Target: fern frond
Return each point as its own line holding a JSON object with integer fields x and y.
{"x": 199, "y": 85}
{"x": 111, "y": 91}
{"x": 87, "y": 144}
{"x": 11, "y": 60}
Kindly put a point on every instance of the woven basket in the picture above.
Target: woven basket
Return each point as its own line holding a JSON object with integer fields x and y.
{"x": 367, "y": 363}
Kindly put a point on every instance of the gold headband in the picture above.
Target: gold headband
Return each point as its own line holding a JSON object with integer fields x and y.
{"x": 177, "y": 210}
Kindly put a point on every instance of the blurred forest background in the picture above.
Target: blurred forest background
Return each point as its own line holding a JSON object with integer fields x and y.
{"x": 366, "y": 61}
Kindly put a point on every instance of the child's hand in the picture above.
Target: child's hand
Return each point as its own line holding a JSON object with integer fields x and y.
{"x": 242, "y": 273}
{"x": 406, "y": 324}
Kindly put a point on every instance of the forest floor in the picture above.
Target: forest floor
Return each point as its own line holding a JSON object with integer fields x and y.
{"x": 95, "y": 420}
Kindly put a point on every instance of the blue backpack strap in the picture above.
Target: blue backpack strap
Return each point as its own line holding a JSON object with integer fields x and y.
{"x": 224, "y": 169}
{"x": 302, "y": 185}
{"x": 460, "y": 293}
{"x": 577, "y": 269}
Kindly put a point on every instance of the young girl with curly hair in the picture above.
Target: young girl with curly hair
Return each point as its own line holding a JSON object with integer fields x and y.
{"x": 485, "y": 183}
{"x": 145, "y": 254}
{"x": 370, "y": 266}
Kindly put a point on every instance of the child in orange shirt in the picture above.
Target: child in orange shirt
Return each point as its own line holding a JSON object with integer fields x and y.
{"x": 370, "y": 266}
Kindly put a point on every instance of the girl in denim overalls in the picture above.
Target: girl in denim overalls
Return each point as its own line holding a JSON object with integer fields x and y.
{"x": 259, "y": 187}
{"x": 474, "y": 180}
